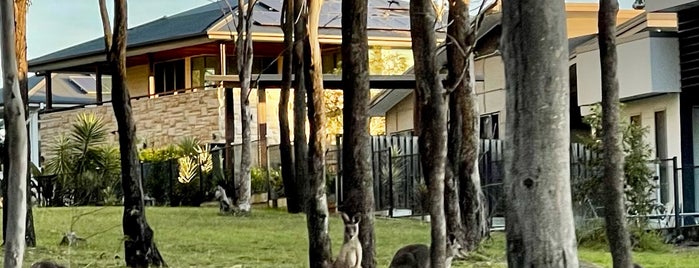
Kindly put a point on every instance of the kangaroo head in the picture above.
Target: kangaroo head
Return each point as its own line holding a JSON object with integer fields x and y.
{"x": 351, "y": 225}
{"x": 454, "y": 249}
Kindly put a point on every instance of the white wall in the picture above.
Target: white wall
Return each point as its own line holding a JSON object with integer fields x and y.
{"x": 646, "y": 66}
{"x": 646, "y": 108}
{"x": 491, "y": 92}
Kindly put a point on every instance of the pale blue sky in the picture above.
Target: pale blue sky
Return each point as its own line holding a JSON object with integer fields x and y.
{"x": 56, "y": 24}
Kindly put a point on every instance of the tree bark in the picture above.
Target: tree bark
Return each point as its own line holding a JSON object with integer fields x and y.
{"x": 300, "y": 69}
{"x": 356, "y": 141}
{"x": 540, "y": 231}
{"x": 613, "y": 167}
{"x": 15, "y": 142}
{"x": 20, "y": 24}
{"x": 22, "y": 69}
{"x": 466, "y": 214}
{"x": 139, "y": 248}
{"x": 457, "y": 64}
{"x": 320, "y": 252}
{"x": 431, "y": 98}
{"x": 245, "y": 53}
{"x": 293, "y": 201}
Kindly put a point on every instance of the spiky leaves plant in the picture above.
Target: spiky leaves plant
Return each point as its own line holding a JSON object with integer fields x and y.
{"x": 84, "y": 162}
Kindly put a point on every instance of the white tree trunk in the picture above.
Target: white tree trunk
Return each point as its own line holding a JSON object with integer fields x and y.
{"x": 245, "y": 56}
{"x": 15, "y": 142}
{"x": 317, "y": 218}
{"x": 540, "y": 229}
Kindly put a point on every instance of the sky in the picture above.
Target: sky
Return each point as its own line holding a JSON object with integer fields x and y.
{"x": 56, "y": 24}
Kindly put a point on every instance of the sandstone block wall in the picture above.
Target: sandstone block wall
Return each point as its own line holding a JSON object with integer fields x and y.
{"x": 159, "y": 121}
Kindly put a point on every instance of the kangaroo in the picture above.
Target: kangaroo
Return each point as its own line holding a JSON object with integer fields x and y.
{"x": 351, "y": 252}
{"x": 46, "y": 264}
{"x": 418, "y": 255}
{"x": 223, "y": 202}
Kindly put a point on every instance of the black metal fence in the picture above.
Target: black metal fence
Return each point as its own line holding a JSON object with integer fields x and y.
{"x": 399, "y": 188}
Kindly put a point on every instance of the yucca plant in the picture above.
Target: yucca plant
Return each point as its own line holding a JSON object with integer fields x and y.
{"x": 84, "y": 163}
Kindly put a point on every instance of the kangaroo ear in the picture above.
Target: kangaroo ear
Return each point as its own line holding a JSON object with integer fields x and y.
{"x": 345, "y": 218}
{"x": 451, "y": 239}
{"x": 357, "y": 218}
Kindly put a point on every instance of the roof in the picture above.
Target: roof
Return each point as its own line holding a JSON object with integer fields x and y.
{"x": 643, "y": 25}
{"x": 216, "y": 17}
{"x": 190, "y": 23}
{"x": 67, "y": 89}
{"x": 575, "y": 42}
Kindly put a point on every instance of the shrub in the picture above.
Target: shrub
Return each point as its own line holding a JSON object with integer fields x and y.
{"x": 85, "y": 164}
{"x": 180, "y": 174}
{"x": 258, "y": 180}
{"x": 592, "y": 235}
{"x": 638, "y": 187}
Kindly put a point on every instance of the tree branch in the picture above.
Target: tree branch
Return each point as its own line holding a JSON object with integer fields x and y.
{"x": 106, "y": 27}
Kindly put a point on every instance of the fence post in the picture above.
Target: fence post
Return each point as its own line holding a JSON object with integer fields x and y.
{"x": 339, "y": 190}
{"x": 171, "y": 182}
{"x": 676, "y": 195}
{"x": 201, "y": 180}
{"x": 390, "y": 182}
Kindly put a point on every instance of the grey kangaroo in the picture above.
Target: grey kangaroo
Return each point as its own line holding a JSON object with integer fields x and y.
{"x": 418, "y": 255}
{"x": 47, "y": 264}
{"x": 351, "y": 252}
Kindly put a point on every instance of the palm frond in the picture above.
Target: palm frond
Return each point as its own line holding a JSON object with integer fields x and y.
{"x": 187, "y": 170}
{"x": 88, "y": 129}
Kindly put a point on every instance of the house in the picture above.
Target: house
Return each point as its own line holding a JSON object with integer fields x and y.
{"x": 69, "y": 90}
{"x": 649, "y": 85}
{"x": 168, "y": 60}
{"x": 683, "y": 125}
{"x": 398, "y": 106}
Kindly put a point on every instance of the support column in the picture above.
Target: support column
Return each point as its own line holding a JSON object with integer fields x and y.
{"x": 98, "y": 84}
{"x": 262, "y": 127}
{"x": 151, "y": 76}
{"x": 49, "y": 91}
{"x": 229, "y": 126}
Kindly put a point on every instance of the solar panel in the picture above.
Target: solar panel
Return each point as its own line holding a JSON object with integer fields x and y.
{"x": 275, "y": 4}
{"x": 267, "y": 18}
{"x": 87, "y": 84}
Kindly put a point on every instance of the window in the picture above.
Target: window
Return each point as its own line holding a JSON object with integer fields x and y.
{"x": 636, "y": 119}
{"x": 169, "y": 76}
{"x": 202, "y": 66}
{"x": 661, "y": 153}
{"x": 490, "y": 126}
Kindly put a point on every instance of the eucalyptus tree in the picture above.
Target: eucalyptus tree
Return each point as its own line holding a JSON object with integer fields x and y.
{"x": 540, "y": 229}
{"x": 140, "y": 249}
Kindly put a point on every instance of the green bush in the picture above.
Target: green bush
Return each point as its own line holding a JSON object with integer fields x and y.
{"x": 179, "y": 174}
{"x": 592, "y": 235}
{"x": 258, "y": 180}
{"x": 638, "y": 186}
{"x": 87, "y": 167}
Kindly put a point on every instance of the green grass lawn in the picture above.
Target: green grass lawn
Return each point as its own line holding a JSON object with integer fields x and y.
{"x": 199, "y": 237}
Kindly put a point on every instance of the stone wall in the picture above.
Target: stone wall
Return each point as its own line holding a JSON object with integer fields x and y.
{"x": 159, "y": 121}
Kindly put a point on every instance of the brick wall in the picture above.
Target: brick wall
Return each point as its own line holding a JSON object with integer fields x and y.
{"x": 159, "y": 121}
